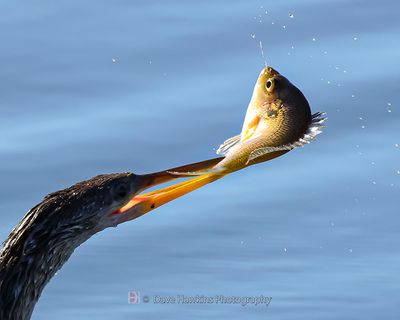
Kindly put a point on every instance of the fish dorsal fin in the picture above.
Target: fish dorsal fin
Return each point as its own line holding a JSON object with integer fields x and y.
{"x": 314, "y": 129}
{"x": 228, "y": 144}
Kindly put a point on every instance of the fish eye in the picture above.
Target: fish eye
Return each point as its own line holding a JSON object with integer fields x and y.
{"x": 120, "y": 191}
{"x": 270, "y": 85}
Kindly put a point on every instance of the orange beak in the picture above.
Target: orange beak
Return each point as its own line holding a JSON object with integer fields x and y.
{"x": 143, "y": 203}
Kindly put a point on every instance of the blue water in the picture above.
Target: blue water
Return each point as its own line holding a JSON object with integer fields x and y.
{"x": 110, "y": 86}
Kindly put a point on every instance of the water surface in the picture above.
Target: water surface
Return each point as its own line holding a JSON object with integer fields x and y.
{"x": 99, "y": 86}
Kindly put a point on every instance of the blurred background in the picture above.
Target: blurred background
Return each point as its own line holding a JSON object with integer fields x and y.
{"x": 110, "y": 86}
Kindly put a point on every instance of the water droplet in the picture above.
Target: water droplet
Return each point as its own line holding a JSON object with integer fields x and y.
{"x": 150, "y": 62}
{"x": 389, "y": 104}
{"x": 114, "y": 60}
{"x": 373, "y": 182}
{"x": 291, "y": 15}
{"x": 266, "y": 11}
{"x": 272, "y": 22}
{"x": 313, "y": 39}
{"x": 362, "y": 127}
{"x": 283, "y": 27}
{"x": 373, "y": 163}
{"x": 284, "y": 249}
{"x": 396, "y": 145}
{"x": 253, "y": 36}
{"x": 292, "y": 47}
{"x": 353, "y": 95}
{"x": 325, "y": 52}
{"x": 344, "y": 71}
{"x": 355, "y": 38}
{"x": 398, "y": 171}
{"x": 389, "y": 110}
{"x": 350, "y": 250}
{"x": 328, "y": 82}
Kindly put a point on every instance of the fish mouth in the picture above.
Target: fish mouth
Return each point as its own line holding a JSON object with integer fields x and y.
{"x": 143, "y": 203}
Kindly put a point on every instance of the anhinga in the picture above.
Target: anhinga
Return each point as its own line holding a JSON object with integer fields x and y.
{"x": 278, "y": 119}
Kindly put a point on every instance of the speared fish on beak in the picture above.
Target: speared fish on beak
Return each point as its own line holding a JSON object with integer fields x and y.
{"x": 278, "y": 119}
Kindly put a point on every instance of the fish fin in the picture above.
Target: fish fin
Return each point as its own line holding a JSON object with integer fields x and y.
{"x": 314, "y": 129}
{"x": 262, "y": 151}
{"x": 228, "y": 145}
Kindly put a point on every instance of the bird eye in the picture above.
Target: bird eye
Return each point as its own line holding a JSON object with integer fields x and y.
{"x": 121, "y": 190}
{"x": 270, "y": 85}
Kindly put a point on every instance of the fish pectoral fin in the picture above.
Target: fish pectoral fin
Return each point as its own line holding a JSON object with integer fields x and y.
{"x": 251, "y": 128}
{"x": 228, "y": 145}
{"x": 314, "y": 129}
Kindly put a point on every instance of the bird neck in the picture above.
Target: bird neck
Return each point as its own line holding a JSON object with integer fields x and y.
{"x": 30, "y": 257}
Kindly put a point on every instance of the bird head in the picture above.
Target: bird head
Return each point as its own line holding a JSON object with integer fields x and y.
{"x": 111, "y": 199}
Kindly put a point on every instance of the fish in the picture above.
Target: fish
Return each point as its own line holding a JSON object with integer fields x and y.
{"x": 278, "y": 119}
